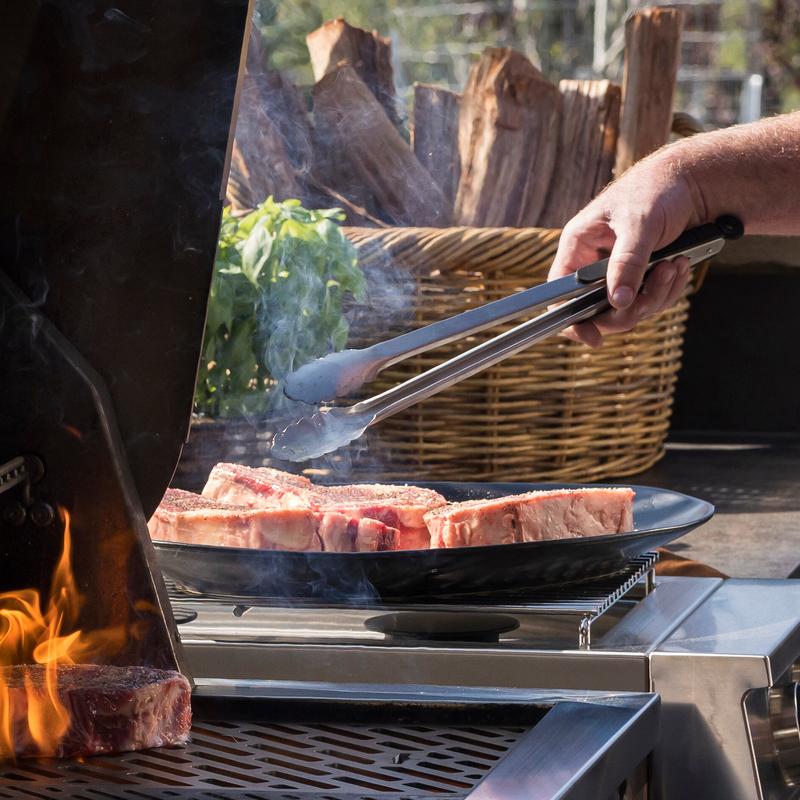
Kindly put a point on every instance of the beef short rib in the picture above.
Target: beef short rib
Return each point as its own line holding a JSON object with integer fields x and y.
{"x": 532, "y": 517}
{"x": 111, "y": 709}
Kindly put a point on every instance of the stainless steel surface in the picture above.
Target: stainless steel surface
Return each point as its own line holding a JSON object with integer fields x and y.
{"x": 271, "y": 619}
{"x": 715, "y": 651}
{"x": 536, "y": 754}
{"x": 340, "y": 374}
{"x": 316, "y": 644}
{"x": 745, "y": 617}
{"x": 586, "y": 746}
{"x": 333, "y": 427}
{"x": 714, "y": 675}
{"x": 441, "y": 665}
{"x": 587, "y": 750}
{"x": 783, "y": 713}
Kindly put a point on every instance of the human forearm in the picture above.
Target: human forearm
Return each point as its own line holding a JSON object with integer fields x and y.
{"x": 752, "y": 171}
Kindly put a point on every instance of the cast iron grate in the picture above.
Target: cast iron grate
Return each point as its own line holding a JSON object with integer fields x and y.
{"x": 279, "y": 761}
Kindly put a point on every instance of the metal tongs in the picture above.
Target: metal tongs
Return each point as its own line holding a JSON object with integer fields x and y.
{"x": 581, "y": 295}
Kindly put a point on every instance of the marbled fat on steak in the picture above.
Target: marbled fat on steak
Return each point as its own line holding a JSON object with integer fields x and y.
{"x": 111, "y": 709}
{"x": 532, "y": 517}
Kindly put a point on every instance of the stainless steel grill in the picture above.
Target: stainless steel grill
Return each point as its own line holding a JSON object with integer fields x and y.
{"x": 259, "y": 760}
{"x": 580, "y": 605}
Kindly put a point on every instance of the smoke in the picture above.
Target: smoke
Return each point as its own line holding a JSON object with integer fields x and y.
{"x": 387, "y": 311}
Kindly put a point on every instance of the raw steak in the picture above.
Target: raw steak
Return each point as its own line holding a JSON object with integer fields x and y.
{"x": 111, "y": 709}
{"x": 193, "y": 519}
{"x": 532, "y": 517}
{"x": 342, "y": 534}
{"x": 399, "y": 507}
{"x": 257, "y": 486}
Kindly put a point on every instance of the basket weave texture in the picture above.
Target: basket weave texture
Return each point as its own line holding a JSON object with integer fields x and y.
{"x": 555, "y": 412}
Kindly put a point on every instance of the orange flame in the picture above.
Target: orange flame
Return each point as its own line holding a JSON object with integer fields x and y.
{"x": 33, "y": 717}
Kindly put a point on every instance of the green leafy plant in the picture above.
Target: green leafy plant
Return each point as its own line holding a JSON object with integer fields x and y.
{"x": 280, "y": 277}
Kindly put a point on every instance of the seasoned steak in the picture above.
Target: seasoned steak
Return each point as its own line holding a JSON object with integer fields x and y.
{"x": 531, "y": 517}
{"x": 258, "y": 486}
{"x": 402, "y": 508}
{"x": 193, "y": 519}
{"x": 342, "y": 534}
{"x": 111, "y": 709}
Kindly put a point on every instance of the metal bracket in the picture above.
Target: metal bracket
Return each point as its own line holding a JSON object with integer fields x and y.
{"x": 24, "y": 471}
{"x": 13, "y": 473}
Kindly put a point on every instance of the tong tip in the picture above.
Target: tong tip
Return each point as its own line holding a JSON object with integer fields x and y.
{"x": 334, "y": 375}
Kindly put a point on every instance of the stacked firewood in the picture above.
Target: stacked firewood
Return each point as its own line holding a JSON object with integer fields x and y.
{"x": 513, "y": 149}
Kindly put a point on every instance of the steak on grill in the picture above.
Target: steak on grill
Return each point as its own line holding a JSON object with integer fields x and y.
{"x": 532, "y": 517}
{"x": 402, "y": 508}
{"x": 193, "y": 519}
{"x": 111, "y": 709}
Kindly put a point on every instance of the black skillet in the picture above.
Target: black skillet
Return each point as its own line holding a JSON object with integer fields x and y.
{"x": 660, "y": 516}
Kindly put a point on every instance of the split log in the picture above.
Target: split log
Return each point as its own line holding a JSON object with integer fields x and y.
{"x": 287, "y": 109}
{"x": 359, "y": 153}
{"x": 586, "y": 150}
{"x": 434, "y": 135}
{"x": 261, "y": 163}
{"x": 337, "y": 43}
{"x": 508, "y": 136}
{"x": 652, "y": 54}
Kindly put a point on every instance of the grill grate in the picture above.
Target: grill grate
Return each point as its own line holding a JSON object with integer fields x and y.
{"x": 278, "y": 761}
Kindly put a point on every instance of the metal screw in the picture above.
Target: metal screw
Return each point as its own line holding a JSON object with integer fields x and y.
{"x": 42, "y": 514}
{"x": 14, "y": 514}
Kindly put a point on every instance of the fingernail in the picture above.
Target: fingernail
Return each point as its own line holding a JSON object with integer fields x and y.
{"x": 622, "y": 297}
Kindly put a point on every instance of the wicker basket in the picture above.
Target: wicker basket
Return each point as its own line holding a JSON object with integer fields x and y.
{"x": 557, "y": 411}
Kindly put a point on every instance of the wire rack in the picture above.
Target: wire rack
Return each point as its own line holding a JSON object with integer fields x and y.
{"x": 586, "y": 602}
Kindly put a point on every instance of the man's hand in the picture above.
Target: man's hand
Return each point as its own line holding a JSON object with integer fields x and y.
{"x": 751, "y": 171}
{"x": 649, "y": 207}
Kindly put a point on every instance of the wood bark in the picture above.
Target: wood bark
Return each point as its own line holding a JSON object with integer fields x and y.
{"x": 261, "y": 162}
{"x": 434, "y": 135}
{"x": 287, "y": 109}
{"x": 359, "y": 153}
{"x": 508, "y": 136}
{"x": 586, "y": 150}
{"x": 337, "y": 43}
{"x": 652, "y": 55}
